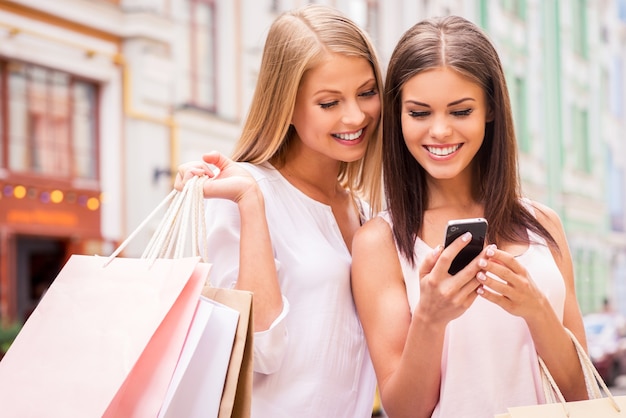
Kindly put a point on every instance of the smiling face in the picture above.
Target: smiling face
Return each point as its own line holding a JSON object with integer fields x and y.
{"x": 337, "y": 108}
{"x": 443, "y": 121}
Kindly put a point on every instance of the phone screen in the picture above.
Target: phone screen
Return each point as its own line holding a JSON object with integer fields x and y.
{"x": 456, "y": 228}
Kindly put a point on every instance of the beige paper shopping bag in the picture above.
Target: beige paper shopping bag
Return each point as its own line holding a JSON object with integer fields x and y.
{"x": 593, "y": 408}
{"x": 597, "y": 406}
{"x": 237, "y": 397}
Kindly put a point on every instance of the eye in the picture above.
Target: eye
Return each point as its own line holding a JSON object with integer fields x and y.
{"x": 465, "y": 112}
{"x": 369, "y": 93}
{"x": 418, "y": 113}
{"x": 328, "y": 105}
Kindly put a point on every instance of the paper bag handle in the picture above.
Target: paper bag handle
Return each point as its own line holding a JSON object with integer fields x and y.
{"x": 592, "y": 378}
{"x": 168, "y": 240}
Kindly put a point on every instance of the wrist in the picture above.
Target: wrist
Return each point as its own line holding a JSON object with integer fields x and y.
{"x": 252, "y": 199}
{"x": 427, "y": 323}
{"x": 538, "y": 318}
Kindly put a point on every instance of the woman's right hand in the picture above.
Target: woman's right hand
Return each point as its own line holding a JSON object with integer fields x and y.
{"x": 231, "y": 182}
{"x": 444, "y": 297}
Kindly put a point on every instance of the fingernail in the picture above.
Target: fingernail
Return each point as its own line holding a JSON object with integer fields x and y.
{"x": 437, "y": 249}
{"x": 480, "y": 290}
{"x": 481, "y": 276}
{"x": 466, "y": 236}
{"x": 482, "y": 263}
{"x": 490, "y": 251}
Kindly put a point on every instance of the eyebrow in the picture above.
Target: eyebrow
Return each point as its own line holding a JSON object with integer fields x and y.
{"x": 371, "y": 80}
{"x": 456, "y": 102}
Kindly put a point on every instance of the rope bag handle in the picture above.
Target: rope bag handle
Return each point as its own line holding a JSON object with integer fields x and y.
{"x": 592, "y": 379}
{"x": 170, "y": 237}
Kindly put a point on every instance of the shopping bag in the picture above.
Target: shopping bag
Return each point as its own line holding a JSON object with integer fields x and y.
{"x": 237, "y": 395}
{"x": 213, "y": 377}
{"x": 198, "y": 381}
{"x": 169, "y": 238}
{"x": 595, "y": 407}
{"x": 104, "y": 340}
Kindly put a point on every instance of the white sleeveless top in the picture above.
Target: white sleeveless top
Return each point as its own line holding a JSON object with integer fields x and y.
{"x": 489, "y": 361}
{"x": 313, "y": 360}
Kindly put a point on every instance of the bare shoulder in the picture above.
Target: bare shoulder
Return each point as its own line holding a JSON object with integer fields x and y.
{"x": 377, "y": 278}
{"x": 548, "y": 218}
{"x": 374, "y": 250}
{"x": 551, "y": 221}
{"x": 376, "y": 232}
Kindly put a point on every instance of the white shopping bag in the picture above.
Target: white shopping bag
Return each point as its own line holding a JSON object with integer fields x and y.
{"x": 198, "y": 381}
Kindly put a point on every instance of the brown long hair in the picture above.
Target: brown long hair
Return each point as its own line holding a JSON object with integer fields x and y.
{"x": 297, "y": 41}
{"x": 459, "y": 44}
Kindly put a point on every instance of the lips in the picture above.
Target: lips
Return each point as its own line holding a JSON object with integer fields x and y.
{"x": 349, "y": 136}
{"x": 442, "y": 151}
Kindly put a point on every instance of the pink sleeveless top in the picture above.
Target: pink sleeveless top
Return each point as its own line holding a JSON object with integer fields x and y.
{"x": 489, "y": 361}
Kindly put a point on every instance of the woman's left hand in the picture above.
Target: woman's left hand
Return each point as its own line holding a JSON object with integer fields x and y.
{"x": 233, "y": 182}
{"x": 516, "y": 292}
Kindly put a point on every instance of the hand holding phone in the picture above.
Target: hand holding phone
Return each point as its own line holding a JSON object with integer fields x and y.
{"x": 457, "y": 227}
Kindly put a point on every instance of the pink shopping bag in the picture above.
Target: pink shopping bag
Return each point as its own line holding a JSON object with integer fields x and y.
{"x": 103, "y": 341}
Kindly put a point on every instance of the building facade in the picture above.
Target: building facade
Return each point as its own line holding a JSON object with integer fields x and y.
{"x": 100, "y": 100}
{"x": 563, "y": 63}
{"x": 59, "y": 99}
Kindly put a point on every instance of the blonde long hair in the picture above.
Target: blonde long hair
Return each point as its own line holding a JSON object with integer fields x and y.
{"x": 297, "y": 41}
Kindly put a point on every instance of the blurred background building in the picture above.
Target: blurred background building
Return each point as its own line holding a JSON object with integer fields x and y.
{"x": 100, "y": 100}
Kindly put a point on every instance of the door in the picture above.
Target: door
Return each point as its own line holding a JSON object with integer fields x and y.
{"x": 39, "y": 261}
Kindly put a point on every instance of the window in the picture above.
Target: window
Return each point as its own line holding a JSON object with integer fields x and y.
{"x": 616, "y": 196}
{"x": 605, "y": 92}
{"x": 372, "y": 19}
{"x": 519, "y": 113}
{"x": 616, "y": 87}
{"x": 364, "y": 13}
{"x": 590, "y": 290}
{"x": 203, "y": 50}
{"x": 581, "y": 139}
{"x": 51, "y": 122}
{"x": 579, "y": 29}
{"x": 84, "y": 131}
{"x": 484, "y": 14}
{"x": 515, "y": 7}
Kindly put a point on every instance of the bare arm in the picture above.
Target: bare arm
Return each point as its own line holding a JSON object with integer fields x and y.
{"x": 406, "y": 349}
{"x": 562, "y": 362}
{"x": 257, "y": 270}
{"x": 521, "y": 297}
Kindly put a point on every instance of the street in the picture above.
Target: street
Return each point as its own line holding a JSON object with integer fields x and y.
{"x": 620, "y": 386}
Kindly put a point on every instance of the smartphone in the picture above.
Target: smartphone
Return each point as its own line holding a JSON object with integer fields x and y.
{"x": 456, "y": 228}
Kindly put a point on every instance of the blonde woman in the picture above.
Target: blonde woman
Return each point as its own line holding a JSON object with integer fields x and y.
{"x": 282, "y": 215}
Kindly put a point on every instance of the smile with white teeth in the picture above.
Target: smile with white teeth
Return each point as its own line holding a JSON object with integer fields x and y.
{"x": 442, "y": 152}
{"x": 349, "y": 137}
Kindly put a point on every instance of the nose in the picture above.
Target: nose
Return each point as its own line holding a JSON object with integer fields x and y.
{"x": 353, "y": 115}
{"x": 440, "y": 127}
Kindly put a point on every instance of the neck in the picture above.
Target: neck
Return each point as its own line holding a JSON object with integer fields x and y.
{"x": 319, "y": 183}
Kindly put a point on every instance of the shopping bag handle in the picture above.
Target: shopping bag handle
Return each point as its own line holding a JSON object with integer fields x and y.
{"x": 168, "y": 240}
{"x": 592, "y": 377}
